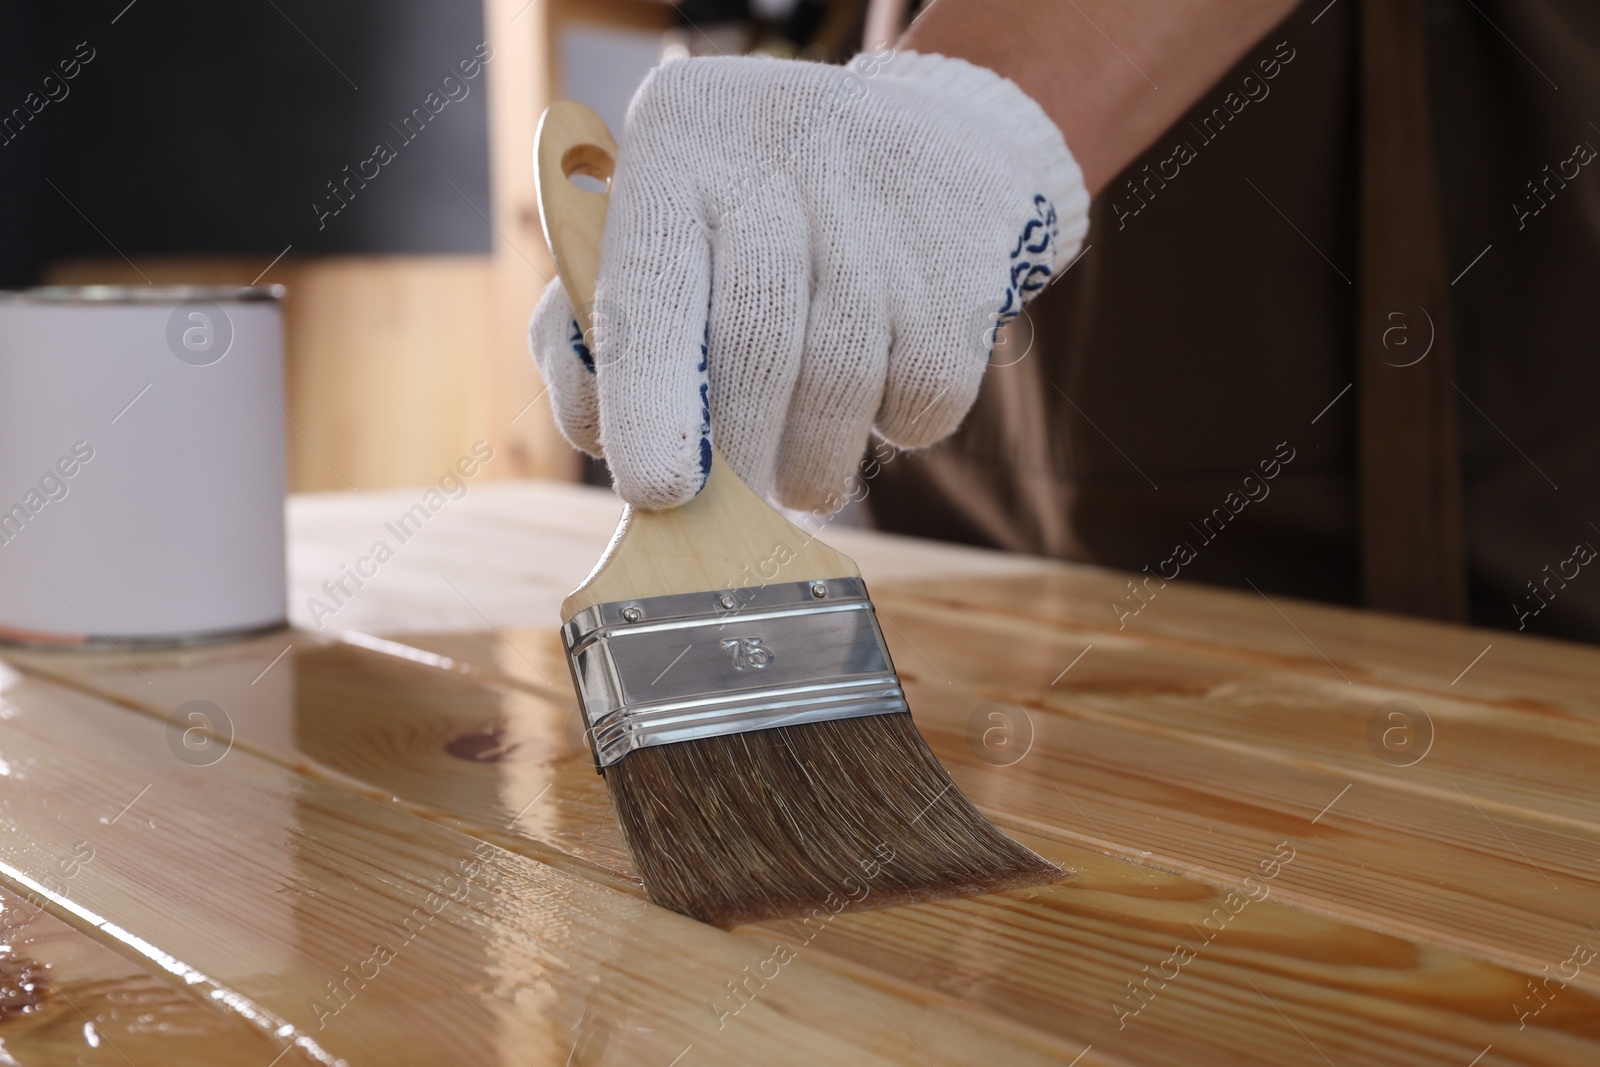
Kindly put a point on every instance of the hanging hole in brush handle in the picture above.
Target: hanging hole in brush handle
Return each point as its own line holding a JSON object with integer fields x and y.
{"x": 588, "y": 167}
{"x": 574, "y": 143}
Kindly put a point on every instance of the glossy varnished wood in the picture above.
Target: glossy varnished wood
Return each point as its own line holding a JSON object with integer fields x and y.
{"x": 1167, "y": 765}
{"x": 1049, "y": 962}
{"x": 352, "y": 930}
{"x": 67, "y": 998}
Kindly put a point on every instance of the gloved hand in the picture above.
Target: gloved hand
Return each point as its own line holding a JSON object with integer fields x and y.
{"x": 796, "y": 253}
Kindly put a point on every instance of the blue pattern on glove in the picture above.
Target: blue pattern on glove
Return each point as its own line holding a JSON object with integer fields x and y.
{"x": 705, "y": 408}
{"x": 1031, "y": 259}
{"x": 580, "y": 349}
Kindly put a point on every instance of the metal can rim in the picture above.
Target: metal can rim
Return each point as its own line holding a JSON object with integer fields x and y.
{"x": 150, "y": 642}
{"x": 141, "y": 294}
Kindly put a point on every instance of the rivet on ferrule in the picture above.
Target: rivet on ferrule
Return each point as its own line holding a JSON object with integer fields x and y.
{"x": 666, "y": 669}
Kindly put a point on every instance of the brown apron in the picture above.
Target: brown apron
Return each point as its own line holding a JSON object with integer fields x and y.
{"x": 1331, "y": 335}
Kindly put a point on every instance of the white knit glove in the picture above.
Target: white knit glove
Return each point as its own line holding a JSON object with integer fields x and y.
{"x": 796, "y": 253}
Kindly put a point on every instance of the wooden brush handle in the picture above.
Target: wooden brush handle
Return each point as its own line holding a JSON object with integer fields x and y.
{"x": 573, "y": 140}
{"x": 726, "y": 537}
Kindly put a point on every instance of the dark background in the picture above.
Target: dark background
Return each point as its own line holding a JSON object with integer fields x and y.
{"x": 214, "y": 127}
{"x": 207, "y": 127}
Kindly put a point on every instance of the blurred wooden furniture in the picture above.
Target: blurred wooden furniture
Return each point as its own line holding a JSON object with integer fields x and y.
{"x": 387, "y": 358}
{"x": 391, "y": 848}
{"x": 398, "y": 364}
{"x": 524, "y": 78}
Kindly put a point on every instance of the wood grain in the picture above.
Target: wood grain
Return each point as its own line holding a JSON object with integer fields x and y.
{"x": 66, "y": 998}
{"x": 542, "y": 540}
{"x": 1169, "y": 762}
{"x": 391, "y": 724}
{"x": 727, "y": 538}
{"x": 354, "y": 931}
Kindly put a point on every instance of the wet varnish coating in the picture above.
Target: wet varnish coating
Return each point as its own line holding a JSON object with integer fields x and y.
{"x": 1260, "y": 876}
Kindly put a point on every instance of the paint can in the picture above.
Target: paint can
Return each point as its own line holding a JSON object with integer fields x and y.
{"x": 141, "y": 464}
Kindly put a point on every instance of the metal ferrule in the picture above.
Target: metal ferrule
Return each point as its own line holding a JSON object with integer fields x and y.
{"x": 660, "y": 670}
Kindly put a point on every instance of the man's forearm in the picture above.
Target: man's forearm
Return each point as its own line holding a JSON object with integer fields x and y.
{"x": 1112, "y": 74}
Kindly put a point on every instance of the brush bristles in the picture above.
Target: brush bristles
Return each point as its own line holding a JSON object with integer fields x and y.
{"x": 848, "y": 814}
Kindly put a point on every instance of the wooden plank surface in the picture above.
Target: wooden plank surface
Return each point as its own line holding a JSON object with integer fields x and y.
{"x": 496, "y": 555}
{"x": 1027, "y": 965}
{"x": 1173, "y": 764}
{"x": 352, "y": 930}
{"x": 67, "y": 998}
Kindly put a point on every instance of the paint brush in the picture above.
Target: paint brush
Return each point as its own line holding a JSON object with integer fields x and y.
{"x": 754, "y": 736}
